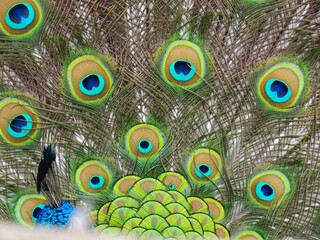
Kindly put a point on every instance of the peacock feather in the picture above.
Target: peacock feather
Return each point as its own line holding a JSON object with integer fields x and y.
{"x": 178, "y": 119}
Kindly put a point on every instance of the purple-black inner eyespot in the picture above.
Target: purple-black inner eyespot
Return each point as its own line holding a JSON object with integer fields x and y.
{"x": 182, "y": 67}
{"x": 18, "y": 123}
{"x": 280, "y": 88}
{"x": 267, "y": 190}
{"x": 17, "y": 12}
{"x": 90, "y": 82}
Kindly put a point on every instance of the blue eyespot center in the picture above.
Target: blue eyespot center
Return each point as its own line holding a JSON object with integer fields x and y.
{"x": 267, "y": 190}
{"x": 171, "y": 186}
{"x": 92, "y": 84}
{"x": 203, "y": 170}
{"x": 18, "y": 123}
{"x": 37, "y": 212}
{"x": 280, "y": 88}
{"x": 20, "y": 16}
{"x": 277, "y": 90}
{"x": 18, "y": 12}
{"x": 20, "y": 126}
{"x": 145, "y": 146}
{"x": 96, "y": 182}
{"x": 264, "y": 191}
{"x": 182, "y": 70}
{"x": 182, "y": 67}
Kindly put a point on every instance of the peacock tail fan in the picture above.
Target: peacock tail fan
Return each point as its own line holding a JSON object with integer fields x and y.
{"x": 176, "y": 119}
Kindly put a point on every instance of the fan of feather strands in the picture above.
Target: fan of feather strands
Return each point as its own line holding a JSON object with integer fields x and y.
{"x": 194, "y": 119}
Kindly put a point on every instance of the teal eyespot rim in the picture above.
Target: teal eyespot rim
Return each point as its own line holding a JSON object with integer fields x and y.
{"x": 25, "y": 130}
{"x": 142, "y": 149}
{"x": 200, "y": 173}
{"x": 273, "y": 95}
{"x": 99, "y": 184}
{"x": 25, "y": 22}
{"x": 39, "y": 206}
{"x": 261, "y": 194}
{"x": 181, "y": 76}
{"x": 95, "y": 90}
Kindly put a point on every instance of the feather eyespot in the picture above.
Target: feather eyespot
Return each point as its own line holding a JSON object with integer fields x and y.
{"x": 204, "y": 165}
{"x": 93, "y": 177}
{"x": 268, "y": 188}
{"x": 28, "y": 209}
{"x": 183, "y": 64}
{"x": 89, "y": 79}
{"x": 144, "y": 141}
{"x": 19, "y": 123}
{"x": 281, "y": 85}
{"x": 20, "y": 18}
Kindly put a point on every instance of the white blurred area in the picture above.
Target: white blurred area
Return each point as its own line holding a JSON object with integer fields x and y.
{"x": 80, "y": 229}
{"x": 18, "y": 232}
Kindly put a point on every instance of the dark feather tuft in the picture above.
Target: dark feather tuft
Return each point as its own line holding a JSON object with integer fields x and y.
{"x": 46, "y": 163}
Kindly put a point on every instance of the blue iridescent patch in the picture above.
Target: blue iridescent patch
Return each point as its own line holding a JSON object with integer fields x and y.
{"x": 55, "y": 217}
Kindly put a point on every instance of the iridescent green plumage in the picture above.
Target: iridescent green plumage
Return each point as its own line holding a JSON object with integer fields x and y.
{"x": 152, "y": 206}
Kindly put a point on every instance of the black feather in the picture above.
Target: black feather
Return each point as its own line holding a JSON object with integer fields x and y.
{"x": 46, "y": 163}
